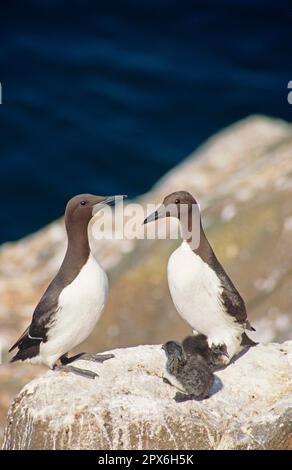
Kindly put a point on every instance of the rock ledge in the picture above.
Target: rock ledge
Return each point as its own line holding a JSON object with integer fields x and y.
{"x": 129, "y": 407}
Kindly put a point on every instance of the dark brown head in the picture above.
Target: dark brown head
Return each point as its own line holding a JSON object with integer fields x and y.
{"x": 81, "y": 208}
{"x": 197, "y": 344}
{"x": 174, "y": 205}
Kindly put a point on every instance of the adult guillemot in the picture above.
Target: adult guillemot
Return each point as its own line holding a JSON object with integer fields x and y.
{"x": 190, "y": 374}
{"x": 74, "y": 300}
{"x": 201, "y": 290}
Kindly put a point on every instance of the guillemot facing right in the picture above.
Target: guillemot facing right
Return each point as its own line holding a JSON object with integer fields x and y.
{"x": 74, "y": 300}
{"x": 202, "y": 292}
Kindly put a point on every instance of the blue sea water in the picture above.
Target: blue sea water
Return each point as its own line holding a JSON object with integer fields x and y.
{"x": 105, "y": 97}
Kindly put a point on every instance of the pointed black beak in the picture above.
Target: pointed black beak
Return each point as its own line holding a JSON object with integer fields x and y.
{"x": 107, "y": 201}
{"x": 158, "y": 214}
{"x": 113, "y": 200}
{"x": 151, "y": 218}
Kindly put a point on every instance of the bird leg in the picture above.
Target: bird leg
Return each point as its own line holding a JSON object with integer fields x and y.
{"x": 181, "y": 397}
{"x": 88, "y": 374}
{"x": 85, "y": 357}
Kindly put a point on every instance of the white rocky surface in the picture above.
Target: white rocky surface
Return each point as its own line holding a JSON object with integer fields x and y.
{"x": 129, "y": 406}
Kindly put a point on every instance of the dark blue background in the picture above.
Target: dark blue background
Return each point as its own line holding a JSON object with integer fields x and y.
{"x": 105, "y": 97}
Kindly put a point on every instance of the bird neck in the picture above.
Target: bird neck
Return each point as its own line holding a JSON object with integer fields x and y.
{"x": 78, "y": 249}
{"x": 204, "y": 249}
{"x": 195, "y": 236}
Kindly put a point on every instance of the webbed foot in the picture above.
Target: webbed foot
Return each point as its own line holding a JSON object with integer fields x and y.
{"x": 182, "y": 397}
{"x": 88, "y": 374}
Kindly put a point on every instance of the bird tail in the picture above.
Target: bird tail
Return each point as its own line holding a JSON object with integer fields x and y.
{"x": 17, "y": 357}
{"x": 247, "y": 342}
{"x": 20, "y": 340}
{"x": 27, "y": 347}
{"x": 25, "y": 354}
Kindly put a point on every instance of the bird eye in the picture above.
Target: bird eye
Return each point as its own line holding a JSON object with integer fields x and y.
{"x": 82, "y": 203}
{"x": 177, "y": 201}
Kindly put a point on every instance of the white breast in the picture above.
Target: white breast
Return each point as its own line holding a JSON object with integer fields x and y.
{"x": 195, "y": 290}
{"x": 81, "y": 304}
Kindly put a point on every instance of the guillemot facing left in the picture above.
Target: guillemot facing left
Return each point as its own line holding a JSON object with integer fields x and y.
{"x": 202, "y": 292}
{"x": 190, "y": 374}
{"x": 74, "y": 300}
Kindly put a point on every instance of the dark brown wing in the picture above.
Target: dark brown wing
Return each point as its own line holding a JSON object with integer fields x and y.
{"x": 231, "y": 298}
{"x": 43, "y": 317}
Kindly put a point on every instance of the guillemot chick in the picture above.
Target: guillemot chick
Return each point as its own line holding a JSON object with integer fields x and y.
{"x": 73, "y": 302}
{"x": 202, "y": 292}
{"x": 191, "y": 374}
{"x": 198, "y": 344}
